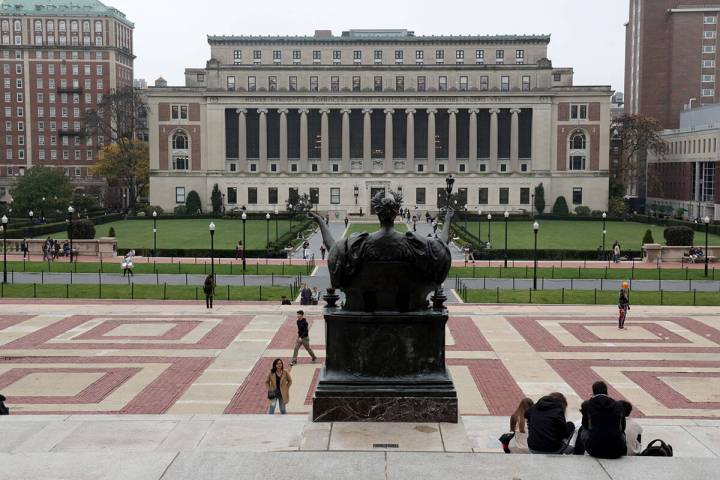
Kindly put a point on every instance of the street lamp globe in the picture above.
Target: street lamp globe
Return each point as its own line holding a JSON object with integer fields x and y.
{"x": 71, "y": 210}
{"x": 604, "y": 232}
{"x": 276, "y": 211}
{"x": 154, "y": 213}
{"x": 479, "y": 212}
{"x": 4, "y": 220}
{"x": 604, "y": 215}
{"x": 536, "y": 226}
{"x": 211, "y": 226}
{"x": 507, "y": 214}
{"x": 706, "y": 220}
{"x": 244, "y": 216}
{"x": 489, "y": 217}
{"x": 31, "y": 213}
{"x": 267, "y": 216}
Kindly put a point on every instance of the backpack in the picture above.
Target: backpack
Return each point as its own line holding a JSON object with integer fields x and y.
{"x": 661, "y": 450}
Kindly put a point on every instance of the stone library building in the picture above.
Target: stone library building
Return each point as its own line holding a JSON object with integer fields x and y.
{"x": 341, "y": 118}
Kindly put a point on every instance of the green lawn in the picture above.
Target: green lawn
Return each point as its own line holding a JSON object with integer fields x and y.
{"x": 587, "y": 273}
{"x": 191, "y": 234}
{"x": 372, "y": 227}
{"x": 152, "y": 292}
{"x": 203, "y": 267}
{"x": 590, "y": 297}
{"x": 571, "y": 235}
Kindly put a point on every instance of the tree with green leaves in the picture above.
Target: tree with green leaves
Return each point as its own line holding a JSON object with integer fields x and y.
{"x": 560, "y": 207}
{"x": 43, "y": 190}
{"x": 637, "y": 136}
{"x": 192, "y": 203}
{"x": 125, "y": 164}
{"x": 216, "y": 199}
{"x": 540, "y": 199}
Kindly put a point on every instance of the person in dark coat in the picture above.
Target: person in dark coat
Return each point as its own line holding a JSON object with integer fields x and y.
{"x": 209, "y": 291}
{"x": 548, "y": 430}
{"x": 603, "y": 425}
{"x": 305, "y": 295}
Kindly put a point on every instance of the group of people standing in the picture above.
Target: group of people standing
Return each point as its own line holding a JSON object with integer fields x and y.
{"x": 606, "y": 429}
{"x": 52, "y": 249}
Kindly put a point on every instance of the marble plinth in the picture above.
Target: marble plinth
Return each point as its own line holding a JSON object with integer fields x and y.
{"x": 385, "y": 367}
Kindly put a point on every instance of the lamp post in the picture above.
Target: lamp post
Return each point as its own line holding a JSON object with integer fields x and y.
{"x": 4, "y": 227}
{"x": 489, "y": 217}
{"x": 154, "y": 233}
{"x": 536, "y": 227}
{"x": 30, "y": 213}
{"x": 267, "y": 230}
{"x": 506, "y": 215}
{"x": 290, "y": 209}
{"x": 479, "y": 223}
{"x": 276, "y": 225}
{"x": 71, "y": 210}
{"x": 532, "y": 205}
{"x": 707, "y": 228}
{"x": 211, "y": 227}
{"x": 604, "y": 232}
{"x": 244, "y": 219}
{"x": 42, "y": 210}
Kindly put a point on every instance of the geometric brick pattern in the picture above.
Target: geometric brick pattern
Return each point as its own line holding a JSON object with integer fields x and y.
{"x": 176, "y": 357}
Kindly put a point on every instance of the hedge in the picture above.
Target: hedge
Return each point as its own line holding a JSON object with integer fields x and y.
{"x": 714, "y": 227}
{"x": 57, "y": 227}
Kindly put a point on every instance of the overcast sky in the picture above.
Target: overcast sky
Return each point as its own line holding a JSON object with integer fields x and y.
{"x": 587, "y": 35}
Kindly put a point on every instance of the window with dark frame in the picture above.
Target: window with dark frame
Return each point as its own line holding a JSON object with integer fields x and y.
{"x": 272, "y": 195}
{"x": 315, "y": 196}
{"x": 442, "y": 83}
{"x": 356, "y": 84}
{"x": 463, "y": 83}
{"x": 179, "y": 194}
{"x": 334, "y": 84}
{"x": 483, "y": 196}
{"x": 526, "y": 83}
{"x": 378, "y": 84}
{"x": 504, "y": 194}
{"x": 420, "y": 195}
{"x": 232, "y": 195}
{"x": 272, "y": 83}
{"x": 577, "y": 195}
{"x": 292, "y": 83}
{"x": 252, "y": 85}
{"x": 252, "y": 196}
{"x": 399, "y": 84}
{"x": 484, "y": 83}
{"x": 524, "y": 196}
{"x": 335, "y": 196}
{"x": 505, "y": 83}
{"x": 313, "y": 84}
{"x": 421, "y": 86}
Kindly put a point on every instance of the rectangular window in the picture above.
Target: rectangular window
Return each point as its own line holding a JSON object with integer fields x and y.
{"x": 252, "y": 196}
{"x": 292, "y": 83}
{"x": 257, "y": 55}
{"x": 357, "y": 56}
{"x": 460, "y": 55}
{"x": 277, "y": 55}
{"x": 316, "y": 56}
{"x": 524, "y": 196}
{"x": 179, "y": 194}
{"x": 398, "y": 56}
{"x": 378, "y": 84}
{"x": 577, "y": 196}
{"x": 296, "y": 54}
{"x": 419, "y": 54}
{"x": 355, "y": 84}
{"x": 439, "y": 55}
{"x": 314, "y": 196}
{"x": 334, "y": 84}
{"x": 505, "y": 83}
{"x": 442, "y": 83}
{"x": 313, "y": 84}
{"x": 499, "y": 54}
{"x": 237, "y": 56}
{"x": 578, "y": 112}
{"x": 709, "y": 20}
{"x": 708, "y": 63}
{"x": 337, "y": 55}
{"x": 421, "y": 87}
{"x": 463, "y": 83}
{"x": 526, "y": 83}
{"x": 232, "y": 195}
{"x": 708, "y": 92}
{"x": 377, "y": 55}
{"x": 399, "y": 84}
{"x": 251, "y": 83}
{"x": 231, "y": 83}
{"x": 708, "y": 48}
{"x": 335, "y": 196}
{"x": 708, "y": 78}
{"x": 504, "y": 194}
{"x": 479, "y": 56}
{"x": 484, "y": 83}
{"x": 420, "y": 196}
{"x": 709, "y": 34}
{"x": 272, "y": 195}
{"x": 483, "y": 196}
{"x": 272, "y": 83}
{"x": 519, "y": 56}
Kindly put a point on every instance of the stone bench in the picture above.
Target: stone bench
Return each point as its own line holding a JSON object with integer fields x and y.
{"x": 654, "y": 252}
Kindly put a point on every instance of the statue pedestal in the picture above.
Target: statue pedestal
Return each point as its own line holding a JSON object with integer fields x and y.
{"x": 385, "y": 367}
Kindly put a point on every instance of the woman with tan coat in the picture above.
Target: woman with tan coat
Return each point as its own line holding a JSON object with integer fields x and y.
{"x": 278, "y": 387}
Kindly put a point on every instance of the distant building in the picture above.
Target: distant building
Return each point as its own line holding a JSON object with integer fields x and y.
{"x": 671, "y": 57}
{"x": 342, "y": 118}
{"x": 688, "y": 176}
{"x": 58, "y": 58}
{"x": 140, "y": 83}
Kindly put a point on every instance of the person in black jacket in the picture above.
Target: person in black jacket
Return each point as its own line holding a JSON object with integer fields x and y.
{"x": 603, "y": 425}
{"x": 548, "y": 431}
{"x": 303, "y": 337}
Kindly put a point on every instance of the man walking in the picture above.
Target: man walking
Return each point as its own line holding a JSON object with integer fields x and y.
{"x": 303, "y": 338}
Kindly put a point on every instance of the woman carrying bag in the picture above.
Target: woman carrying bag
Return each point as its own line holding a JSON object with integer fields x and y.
{"x": 278, "y": 387}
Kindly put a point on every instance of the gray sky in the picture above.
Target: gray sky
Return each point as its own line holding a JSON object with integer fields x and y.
{"x": 587, "y": 35}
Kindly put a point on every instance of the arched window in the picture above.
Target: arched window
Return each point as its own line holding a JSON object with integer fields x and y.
{"x": 86, "y": 26}
{"x": 5, "y": 25}
{"x": 577, "y": 150}
{"x": 180, "y": 155}
{"x": 180, "y": 141}
{"x": 38, "y": 26}
{"x": 18, "y": 25}
{"x": 74, "y": 26}
{"x": 98, "y": 26}
{"x": 50, "y": 26}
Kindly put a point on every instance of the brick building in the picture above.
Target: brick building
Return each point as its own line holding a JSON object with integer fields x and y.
{"x": 670, "y": 57}
{"x": 343, "y": 117}
{"x": 57, "y": 58}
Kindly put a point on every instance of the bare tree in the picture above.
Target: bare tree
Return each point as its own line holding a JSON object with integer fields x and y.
{"x": 637, "y": 136}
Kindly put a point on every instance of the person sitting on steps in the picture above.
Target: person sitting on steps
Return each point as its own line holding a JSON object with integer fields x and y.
{"x": 602, "y": 432}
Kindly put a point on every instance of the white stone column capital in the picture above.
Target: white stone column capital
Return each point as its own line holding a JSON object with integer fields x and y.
{"x": 283, "y": 111}
{"x": 346, "y": 111}
{"x": 453, "y": 111}
{"x": 303, "y": 110}
{"x": 515, "y": 111}
{"x": 494, "y": 111}
{"x": 473, "y": 111}
{"x": 410, "y": 111}
{"x": 432, "y": 111}
{"x": 241, "y": 110}
{"x": 262, "y": 111}
{"x": 324, "y": 111}
{"x": 367, "y": 111}
{"x": 389, "y": 110}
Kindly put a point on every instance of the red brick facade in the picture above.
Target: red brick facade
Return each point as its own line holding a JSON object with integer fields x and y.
{"x": 671, "y": 58}
{"x": 672, "y": 180}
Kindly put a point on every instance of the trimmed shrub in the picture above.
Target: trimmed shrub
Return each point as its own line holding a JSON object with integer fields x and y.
{"x": 678, "y": 236}
{"x": 82, "y": 230}
{"x": 582, "y": 211}
{"x": 153, "y": 208}
{"x": 111, "y": 232}
{"x": 216, "y": 199}
{"x": 648, "y": 238}
{"x": 616, "y": 207}
{"x": 560, "y": 207}
{"x": 540, "y": 199}
{"x": 192, "y": 203}
{"x": 180, "y": 210}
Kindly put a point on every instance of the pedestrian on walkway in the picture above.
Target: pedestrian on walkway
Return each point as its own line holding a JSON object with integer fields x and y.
{"x": 127, "y": 264}
{"x": 278, "y": 387}
{"x": 616, "y": 252}
{"x": 239, "y": 250}
{"x": 24, "y": 248}
{"x": 303, "y": 337}
{"x": 305, "y": 295}
{"x": 45, "y": 250}
{"x": 315, "y": 296}
{"x": 322, "y": 252}
{"x": 347, "y": 220}
{"x": 434, "y": 225}
{"x": 623, "y": 305}
{"x": 209, "y": 290}
{"x": 414, "y": 223}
